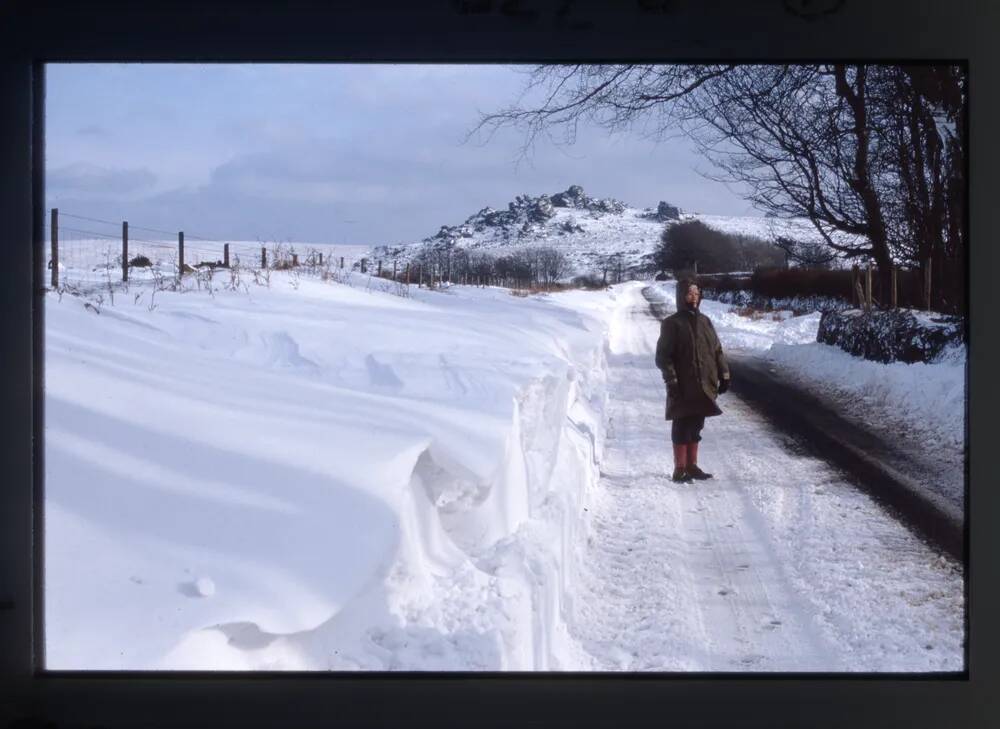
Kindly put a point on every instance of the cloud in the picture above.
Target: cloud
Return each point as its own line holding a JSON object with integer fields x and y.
{"x": 93, "y": 130}
{"x": 282, "y": 151}
{"x": 89, "y": 179}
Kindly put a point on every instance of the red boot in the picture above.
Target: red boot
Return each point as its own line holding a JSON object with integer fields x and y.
{"x": 680, "y": 464}
{"x": 691, "y": 468}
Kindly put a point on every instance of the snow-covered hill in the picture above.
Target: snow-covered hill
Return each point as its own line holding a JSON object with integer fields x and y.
{"x": 593, "y": 233}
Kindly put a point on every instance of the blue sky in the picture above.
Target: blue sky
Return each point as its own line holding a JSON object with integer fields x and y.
{"x": 361, "y": 154}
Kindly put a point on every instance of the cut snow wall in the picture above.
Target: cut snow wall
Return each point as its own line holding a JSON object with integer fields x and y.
{"x": 510, "y": 538}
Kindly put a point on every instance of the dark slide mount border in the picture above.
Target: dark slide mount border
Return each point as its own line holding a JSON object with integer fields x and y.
{"x": 495, "y": 31}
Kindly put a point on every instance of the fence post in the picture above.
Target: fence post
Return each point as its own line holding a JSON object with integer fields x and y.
{"x": 420, "y": 276}
{"x": 295, "y": 260}
{"x": 364, "y": 266}
{"x": 868, "y": 287}
{"x": 380, "y": 268}
{"x": 856, "y": 285}
{"x": 321, "y": 258}
{"x": 393, "y": 269}
{"x": 263, "y": 257}
{"x": 927, "y": 285}
{"x": 55, "y": 248}
{"x": 225, "y": 255}
{"x": 124, "y": 250}
{"x": 895, "y": 287}
{"x": 180, "y": 254}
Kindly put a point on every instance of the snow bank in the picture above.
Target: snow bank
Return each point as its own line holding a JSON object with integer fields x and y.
{"x": 927, "y": 399}
{"x": 317, "y": 476}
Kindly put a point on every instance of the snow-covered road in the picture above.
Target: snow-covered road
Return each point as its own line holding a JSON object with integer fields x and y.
{"x": 776, "y": 564}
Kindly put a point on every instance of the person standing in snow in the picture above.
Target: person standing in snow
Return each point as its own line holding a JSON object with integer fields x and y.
{"x": 689, "y": 355}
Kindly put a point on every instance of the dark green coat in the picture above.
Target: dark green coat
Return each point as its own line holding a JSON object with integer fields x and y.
{"x": 689, "y": 353}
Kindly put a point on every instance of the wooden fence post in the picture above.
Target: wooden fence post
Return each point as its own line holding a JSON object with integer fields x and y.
{"x": 321, "y": 258}
{"x": 225, "y": 255}
{"x": 180, "y": 254}
{"x": 364, "y": 265}
{"x": 124, "y": 250}
{"x": 295, "y": 260}
{"x": 380, "y": 268}
{"x": 927, "y": 285}
{"x": 420, "y": 275}
{"x": 55, "y": 248}
{"x": 407, "y": 275}
{"x": 895, "y": 287}
{"x": 393, "y": 269}
{"x": 263, "y": 257}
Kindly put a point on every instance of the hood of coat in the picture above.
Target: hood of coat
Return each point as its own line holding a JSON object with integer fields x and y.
{"x": 682, "y": 289}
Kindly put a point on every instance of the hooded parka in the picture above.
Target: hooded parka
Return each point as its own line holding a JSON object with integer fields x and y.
{"x": 689, "y": 355}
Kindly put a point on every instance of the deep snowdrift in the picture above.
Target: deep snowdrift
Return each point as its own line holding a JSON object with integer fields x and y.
{"x": 383, "y": 482}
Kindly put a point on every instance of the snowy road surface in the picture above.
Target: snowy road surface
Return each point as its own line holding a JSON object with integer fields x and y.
{"x": 776, "y": 564}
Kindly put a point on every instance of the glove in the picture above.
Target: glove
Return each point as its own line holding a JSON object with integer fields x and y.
{"x": 673, "y": 390}
{"x": 723, "y": 385}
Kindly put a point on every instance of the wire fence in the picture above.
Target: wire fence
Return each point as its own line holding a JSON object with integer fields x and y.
{"x": 87, "y": 254}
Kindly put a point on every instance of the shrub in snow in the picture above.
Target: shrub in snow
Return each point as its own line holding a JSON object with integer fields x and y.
{"x": 140, "y": 262}
{"x": 743, "y": 299}
{"x": 685, "y": 243}
{"x": 800, "y": 290}
{"x": 789, "y": 282}
{"x": 589, "y": 281}
{"x": 897, "y": 335}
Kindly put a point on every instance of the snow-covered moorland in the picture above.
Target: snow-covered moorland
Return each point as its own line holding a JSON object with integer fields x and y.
{"x": 321, "y": 476}
{"x": 593, "y": 234}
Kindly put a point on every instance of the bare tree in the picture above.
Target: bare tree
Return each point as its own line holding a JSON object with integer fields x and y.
{"x": 552, "y": 264}
{"x": 924, "y": 130}
{"x": 809, "y": 253}
{"x": 819, "y": 141}
{"x": 557, "y": 97}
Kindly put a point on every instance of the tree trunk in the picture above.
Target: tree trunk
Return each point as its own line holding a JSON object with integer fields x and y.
{"x": 861, "y": 181}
